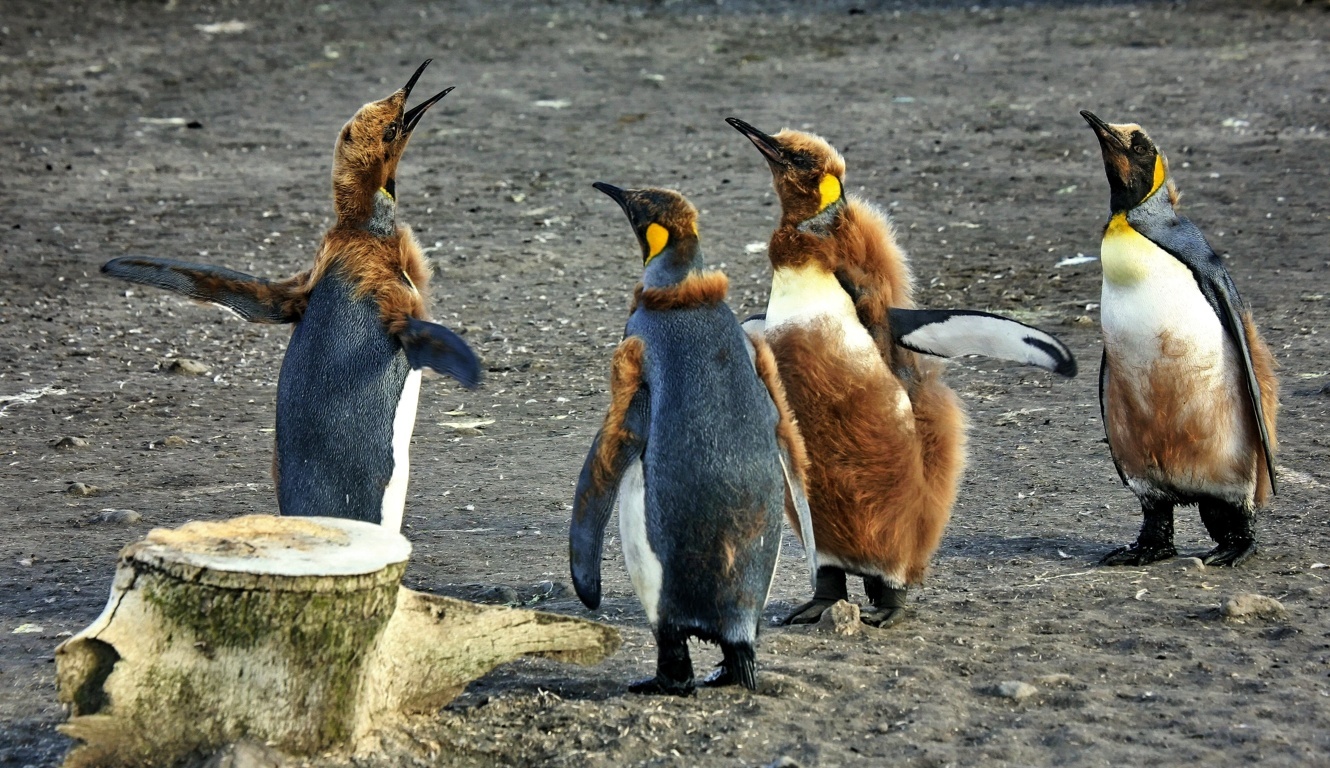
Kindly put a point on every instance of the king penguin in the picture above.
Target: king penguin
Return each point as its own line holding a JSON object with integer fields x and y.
{"x": 699, "y": 447}
{"x": 350, "y": 380}
{"x": 885, "y": 435}
{"x": 1187, "y": 389}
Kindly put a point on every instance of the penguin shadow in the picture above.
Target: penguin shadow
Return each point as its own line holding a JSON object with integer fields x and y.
{"x": 982, "y": 546}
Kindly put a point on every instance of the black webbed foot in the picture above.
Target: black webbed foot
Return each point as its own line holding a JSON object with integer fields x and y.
{"x": 1155, "y": 541}
{"x": 1139, "y": 555}
{"x": 887, "y": 603}
{"x": 1231, "y": 553}
{"x": 663, "y": 686}
{"x": 830, "y": 589}
{"x": 810, "y": 612}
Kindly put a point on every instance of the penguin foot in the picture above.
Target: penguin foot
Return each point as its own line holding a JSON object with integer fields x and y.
{"x": 1232, "y": 553}
{"x": 883, "y": 617}
{"x": 663, "y": 686}
{"x": 1139, "y": 555}
{"x": 830, "y": 590}
{"x": 810, "y": 612}
{"x": 888, "y": 603}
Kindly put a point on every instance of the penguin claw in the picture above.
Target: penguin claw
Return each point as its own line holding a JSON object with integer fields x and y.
{"x": 659, "y": 686}
{"x": 1231, "y": 554}
{"x": 883, "y": 618}
{"x": 1139, "y": 555}
{"x": 810, "y": 612}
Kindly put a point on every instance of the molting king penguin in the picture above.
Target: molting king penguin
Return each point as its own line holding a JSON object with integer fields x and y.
{"x": 699, "y": 447}
{"x": 1187, "y": 388}
{"x": 349, "y": 384}
{"x": 885, "y": 436}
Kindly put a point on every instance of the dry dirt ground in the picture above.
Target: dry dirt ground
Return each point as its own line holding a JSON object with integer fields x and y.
{"x": 961, "y": 120}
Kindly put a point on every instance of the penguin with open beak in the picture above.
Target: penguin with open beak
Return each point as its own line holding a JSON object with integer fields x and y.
{"x": 350, "y": 381}
{"x": 1187, "y": 388}
{"x": 700, "y": 449}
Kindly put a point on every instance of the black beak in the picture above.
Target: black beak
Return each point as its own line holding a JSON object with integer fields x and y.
{"x": 764, "y": 143}
{"x": 1102, "y": 129}
{"x": 616, "y": 194}
{"x": 413, "y": 115}
{"x": 406, "y": 89}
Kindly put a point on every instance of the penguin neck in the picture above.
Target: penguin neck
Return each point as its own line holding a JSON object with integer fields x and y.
{"x": 375, "y": 213}
{"x": 672, "y": 266}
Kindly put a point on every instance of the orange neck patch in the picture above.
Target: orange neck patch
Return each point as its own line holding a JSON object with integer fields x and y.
{"x": 699, "y": 289}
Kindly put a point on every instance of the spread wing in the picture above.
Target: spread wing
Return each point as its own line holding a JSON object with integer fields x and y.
{"x": 953, "y": 332}
{"x": 1184, "y": 241}
{"x": 253, "y": 298}
{"x": 1103, "y": 412}
{"x": 621, "y": 440}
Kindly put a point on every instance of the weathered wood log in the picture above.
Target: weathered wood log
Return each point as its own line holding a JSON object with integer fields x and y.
{"x": 293, "y": 632}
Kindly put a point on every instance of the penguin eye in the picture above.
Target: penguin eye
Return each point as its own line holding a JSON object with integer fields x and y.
{"x": 390, "y": 132}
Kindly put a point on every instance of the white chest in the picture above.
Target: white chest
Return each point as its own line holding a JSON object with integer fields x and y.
{"x": 811, "y": 295}
{"x": 1151, "y": 304}
{"x": 404, "y": 423}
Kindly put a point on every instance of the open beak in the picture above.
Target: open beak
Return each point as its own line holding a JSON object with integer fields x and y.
{"x": 1103, "y": 130}
{"x": 413, "y": 115}
{"x": 765, "y": 144}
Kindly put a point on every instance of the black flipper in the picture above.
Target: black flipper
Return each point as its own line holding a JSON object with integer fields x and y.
{"x": 430, "y": 345}
{"x": 592, "y": 504}
{"x": 953, "y": 332}
{"x": 1103, "y": 412}
{"x": 1183, "y": 240}
{"x": 253, "y": 298}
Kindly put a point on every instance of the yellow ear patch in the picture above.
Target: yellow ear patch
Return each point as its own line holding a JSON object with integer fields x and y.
{"x": 657, "y": 237}
{"x": 830, "y": 190}
{"x": 1160, "y": 174}
{"x": 385, "y": 191}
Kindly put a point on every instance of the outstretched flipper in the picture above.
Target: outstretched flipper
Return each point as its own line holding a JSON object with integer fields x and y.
{"x": 430, "y": 345}
{"x": 793, "y": 454}
{"x": 620, "y": 442}
{"x": 253, "y": 298}
{"x": 953, "y": 332}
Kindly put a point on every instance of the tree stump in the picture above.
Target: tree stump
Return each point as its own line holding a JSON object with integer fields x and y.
{"x": 289, "y": 631}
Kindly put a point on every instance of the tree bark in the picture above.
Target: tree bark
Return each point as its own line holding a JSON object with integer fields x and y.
{"x": 289, "y": 631}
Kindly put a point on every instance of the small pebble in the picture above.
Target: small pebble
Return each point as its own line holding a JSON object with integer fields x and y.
{"x": 1249, "y": 605}
{"x": 1190, "y": 564}
{"x": 841, "y": 618}
{"x": 1015, "y": 690}
{"x": 175, "y": 441}
{"x": 116, "y": 516}
{"x": 66, "y": 443}
{"x": 183, "y": 366}
{"x": 82, "y": 489}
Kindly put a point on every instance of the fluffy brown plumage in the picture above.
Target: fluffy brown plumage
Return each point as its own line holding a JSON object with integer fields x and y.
{"x": 884, "y": 434}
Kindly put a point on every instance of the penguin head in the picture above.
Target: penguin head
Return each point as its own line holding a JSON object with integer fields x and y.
{"x": 807, "y": 172}
{"x": 371, "y": 143}
{"x": 1136, "y": 168}
{"x": 666, "y": 227}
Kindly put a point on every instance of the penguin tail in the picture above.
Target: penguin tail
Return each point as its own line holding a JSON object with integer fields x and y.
{"x": 741, "y": 662}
